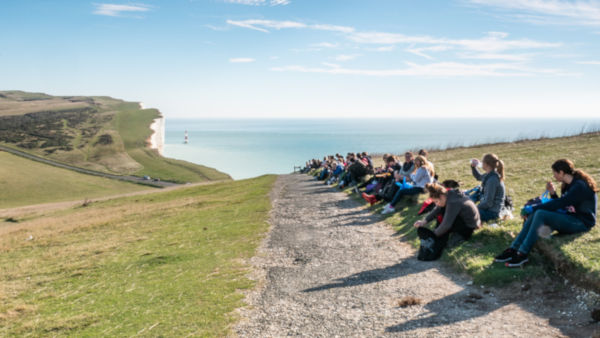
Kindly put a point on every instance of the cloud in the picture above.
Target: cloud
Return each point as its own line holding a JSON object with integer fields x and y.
{"x": 440, "y": 69}
{"x": 421, "y": 51}
{"x": 346, "y": 57}
{"x": 384, "y": 49}
{"x": 259, "y": 2}
{"x": 119, "y": 10}
{"x": 595, "y": 63}
{"x": 325, "y": 45}
{"x": 241, "y": 60}
{"x": 576, "y": 12}
{"x": 265, "y": 25}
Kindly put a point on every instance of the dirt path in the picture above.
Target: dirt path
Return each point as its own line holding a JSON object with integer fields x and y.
{"x": 330, "y": 268}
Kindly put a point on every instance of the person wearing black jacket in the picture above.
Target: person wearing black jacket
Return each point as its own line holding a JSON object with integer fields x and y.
{"x": 573, "y": 212}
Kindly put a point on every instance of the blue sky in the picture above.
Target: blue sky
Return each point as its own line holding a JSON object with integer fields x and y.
{"x": 307, "y": 58}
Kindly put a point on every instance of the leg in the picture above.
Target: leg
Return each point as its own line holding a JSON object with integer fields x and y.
{"x": 556, "y": 221}
{"x": 524, "y": 231}
{"x": 405, "y": 192}
{"x": 487, "y": 215}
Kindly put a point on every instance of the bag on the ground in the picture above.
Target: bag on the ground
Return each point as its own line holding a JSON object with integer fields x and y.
{"x": 431, "y": 246}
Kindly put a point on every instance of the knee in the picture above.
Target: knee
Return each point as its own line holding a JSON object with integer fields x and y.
{"x": 541, "y": 215}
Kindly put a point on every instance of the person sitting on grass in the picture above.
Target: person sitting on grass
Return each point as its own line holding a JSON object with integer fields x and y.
{"x": 573, "y": 212}
{"x": 422, "y": 176}
{"x": 460, "y": 214}
{"x": 408, "y": 167}
{"x": 492, "y": 186}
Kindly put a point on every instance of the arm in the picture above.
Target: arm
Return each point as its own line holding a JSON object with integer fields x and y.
{"x": 574, "y": 196}
{"x": 433, "y": 214}
{"x": 450, "y": 215}
{"x": 478, "y": 176}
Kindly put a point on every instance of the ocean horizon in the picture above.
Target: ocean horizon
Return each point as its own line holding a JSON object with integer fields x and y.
{"x": 245, "y": 148}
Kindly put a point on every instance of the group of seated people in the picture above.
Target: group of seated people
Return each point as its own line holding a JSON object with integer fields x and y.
{"x": 459, "y": 213}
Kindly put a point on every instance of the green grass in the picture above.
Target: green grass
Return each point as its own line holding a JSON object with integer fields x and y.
{"x": 165, "y": 264}
{"x": 133, "y": 124}
{"x": 527, "y": 170}
{"x": 25, "y": 182}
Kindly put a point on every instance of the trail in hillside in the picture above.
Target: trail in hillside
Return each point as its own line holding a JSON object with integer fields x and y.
{"x": 331, "y": 268}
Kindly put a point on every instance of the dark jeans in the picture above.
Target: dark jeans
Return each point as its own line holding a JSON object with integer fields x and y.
{"x": 458, "y": 227}
{"x": 406, "y": 192}
{"x": 563, "y": 223}
{"x": 487, "y": 215}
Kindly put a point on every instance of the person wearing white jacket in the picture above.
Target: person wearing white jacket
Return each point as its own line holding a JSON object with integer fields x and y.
{"x": 422, "y": 176}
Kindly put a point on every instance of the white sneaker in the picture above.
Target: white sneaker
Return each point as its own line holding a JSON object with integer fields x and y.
{"x": 388, "y": 209}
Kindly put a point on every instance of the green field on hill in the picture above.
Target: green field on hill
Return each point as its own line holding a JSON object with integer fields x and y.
{"x": 170, "y": 263}
{"x": 26, "y": 182}
{"x": 527, "y": 166}
{"x": 96, "y": 133}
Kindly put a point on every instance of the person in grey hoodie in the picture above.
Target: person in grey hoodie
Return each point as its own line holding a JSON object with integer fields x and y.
{"x": 460, "y": 215}
{"x": 492, "y": 186}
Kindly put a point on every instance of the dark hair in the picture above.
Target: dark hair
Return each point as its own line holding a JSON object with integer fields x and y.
{"x": 451, "y": 184}
{"x": 567, "y": 167}
{"x": 423, "y": 152}
{"x": 435, "y": 190}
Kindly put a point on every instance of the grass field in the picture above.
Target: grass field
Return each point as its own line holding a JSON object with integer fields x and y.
{"x": 527, "y": 170}
{"x": 163, "y": 264}
{"x": 25, "y": 182}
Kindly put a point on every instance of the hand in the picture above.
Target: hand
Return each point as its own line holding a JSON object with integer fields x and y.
{"x": 474, "y": 162}
{"x": 419, "y": 224}
{"x": 526, "y": 210}
{"x": 550, "y": 188}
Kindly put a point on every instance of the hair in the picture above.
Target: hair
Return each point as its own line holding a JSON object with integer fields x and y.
{"x": 424, "y": 163}
{"x": 390, "y": 158}
{"x": 567, "y": 167}
{"x": 435, "y": 190}
{"x": 451, "y": 184}
{"x": 423, "y": 152}
{"x": 409, "y": 153}
{"x": 495, "y": 163}
{"x": 386, "y": 155}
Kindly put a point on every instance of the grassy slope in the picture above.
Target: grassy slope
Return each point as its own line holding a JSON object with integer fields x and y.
{"x": 528, "y": 168}
{"x": 25, "y": 182}
{"x": 132, "y": 124}
{"x": 165, "y": 264}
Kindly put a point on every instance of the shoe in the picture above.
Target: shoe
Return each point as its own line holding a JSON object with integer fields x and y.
{"x": 356, "y": 190}
{"x": 372, "y": 199}
{"x": 366, "y": 197}
{"x": 517, "y": 260}
{"x": 505, "y": 256}
{"x": 388, "y": 209}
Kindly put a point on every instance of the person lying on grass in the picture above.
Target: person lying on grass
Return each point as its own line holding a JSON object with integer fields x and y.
{"x": 492, "y": 186}
{"x": 460, "y": 214}
{"x": 573, "y": 212}
{"x": 422, "y": 176}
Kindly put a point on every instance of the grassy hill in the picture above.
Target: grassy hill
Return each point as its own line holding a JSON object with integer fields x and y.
{"x": 25, "y": 182}
{"x": 164, "y": 264}
{"x": 97, "y": 133}
{"x": 527, "y": 170}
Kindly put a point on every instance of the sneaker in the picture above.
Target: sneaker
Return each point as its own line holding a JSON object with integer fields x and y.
{"x": 366, "y": 197}
{"x": 517, "y": 260}
{"x": 388, "y": 209}
{"x": 505, "y": 256}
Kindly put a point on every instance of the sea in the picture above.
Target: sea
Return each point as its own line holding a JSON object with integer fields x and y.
{"x": 247, "y": 148}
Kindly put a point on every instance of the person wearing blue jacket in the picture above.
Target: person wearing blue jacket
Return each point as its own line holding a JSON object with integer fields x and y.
{"x": 573, "y": 212}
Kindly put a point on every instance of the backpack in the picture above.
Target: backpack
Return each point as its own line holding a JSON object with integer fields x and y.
{"x": 431, "y": 246}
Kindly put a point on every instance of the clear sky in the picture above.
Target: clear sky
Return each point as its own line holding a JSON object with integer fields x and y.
{"x": 311, "y": 58}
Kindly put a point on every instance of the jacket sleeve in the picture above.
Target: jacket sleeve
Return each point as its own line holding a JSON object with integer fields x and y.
{"x": 478, "y": 176}
{"x": 450, "y": 215}
{"x": 489, "y": 191}
{"x": 433, "y": 214}
{"x": 574, "y": 196}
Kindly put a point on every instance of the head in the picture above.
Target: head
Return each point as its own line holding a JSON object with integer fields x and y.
{"x": 564, "y": 171}
{"x": 390, "y": 160}
{"x": 423, "y": 152}
{"x": 491, "y": 162}
{"x": 385, "y": 157}
{"x": 409, "y": 156}
{"x": 421, "y": 161}
{"x": 437, "y": 193}
{"x": 451, "y": 184}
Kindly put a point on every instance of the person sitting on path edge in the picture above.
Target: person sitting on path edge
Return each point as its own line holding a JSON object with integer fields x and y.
{"x": 573, "y": 212}
{"x": 423, "y": 175}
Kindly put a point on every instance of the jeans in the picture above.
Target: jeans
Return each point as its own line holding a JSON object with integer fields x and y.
{"x": 406, "y": 192}
{"x": 563, "y": 223}
{"x": 487, "y": 215}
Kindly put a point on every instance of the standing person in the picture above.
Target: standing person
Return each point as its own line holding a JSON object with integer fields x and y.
{"x": 492, "y": 186}
{"x": 573, "y": 212}
{"x": 423, "y": 175}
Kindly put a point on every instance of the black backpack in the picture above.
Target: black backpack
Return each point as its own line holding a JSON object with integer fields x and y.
{"x": 431, "y": 246}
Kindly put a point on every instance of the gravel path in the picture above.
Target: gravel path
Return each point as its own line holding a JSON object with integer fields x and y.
{"x": 331, "y": 268}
